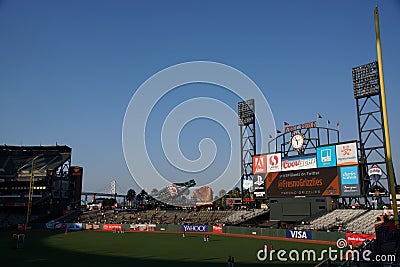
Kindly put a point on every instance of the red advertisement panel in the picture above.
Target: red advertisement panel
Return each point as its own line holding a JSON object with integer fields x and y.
{"x": 357, "y": 239}
{"x": 260, "y": 164}
{"x": 217, "y": 228}
{"x": 112, "y": 227}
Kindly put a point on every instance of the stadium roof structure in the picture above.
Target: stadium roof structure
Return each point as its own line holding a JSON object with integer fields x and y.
{"x": 17, "y": 161}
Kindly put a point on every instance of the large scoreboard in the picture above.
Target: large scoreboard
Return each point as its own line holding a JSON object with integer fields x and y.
{"x": 331, "y": 171}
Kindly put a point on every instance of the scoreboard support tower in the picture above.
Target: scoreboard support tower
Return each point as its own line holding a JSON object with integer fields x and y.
{"x": 246, "y": 111}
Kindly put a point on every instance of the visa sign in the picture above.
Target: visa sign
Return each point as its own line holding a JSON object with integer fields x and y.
{"x": 298, "y": 234}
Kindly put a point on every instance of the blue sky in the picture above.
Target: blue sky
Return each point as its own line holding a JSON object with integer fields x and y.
{"x": 68, "y": 69}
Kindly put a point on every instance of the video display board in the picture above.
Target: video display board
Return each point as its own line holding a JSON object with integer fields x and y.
{"x": 332, "y": 171}
{"x": 309, "y": 182}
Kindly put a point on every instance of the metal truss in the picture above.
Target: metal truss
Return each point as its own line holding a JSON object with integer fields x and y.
{"x": 246, "y": 115}
{"x": 372, "y": 145}
{"x": 313, "y": 138}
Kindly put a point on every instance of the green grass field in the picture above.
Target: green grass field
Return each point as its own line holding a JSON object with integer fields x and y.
{"x": 55, "y": 249}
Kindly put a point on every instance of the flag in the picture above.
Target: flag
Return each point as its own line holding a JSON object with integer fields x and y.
{"x": 277, "y": 131}
{"x": 329, "y": 122}
{"x": 285, "y": 123}
{"x": 319, "y": 116}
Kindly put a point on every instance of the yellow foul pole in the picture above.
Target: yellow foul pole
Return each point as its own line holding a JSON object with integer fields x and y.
{"x": 385, "y": 121}
{"x": 29, "y": 211}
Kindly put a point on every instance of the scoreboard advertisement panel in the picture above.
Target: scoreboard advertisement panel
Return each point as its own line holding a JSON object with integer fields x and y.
{"x": 299, "y": 163}
{"x": 346, "y": 154}
{"x": 259, "y": 164}
{"x": 349, "y": 179}
{"x": 331, "y": 171}
{"x": 274, "y": 162}
{"x": 309, "y": 182}
{"x": 326, "y": 156}
{"x": 259, "y": 185}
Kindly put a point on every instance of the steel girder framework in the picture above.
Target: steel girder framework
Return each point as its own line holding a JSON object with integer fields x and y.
{"x": 246, "y": 114}
{"x": 371, "y": 130}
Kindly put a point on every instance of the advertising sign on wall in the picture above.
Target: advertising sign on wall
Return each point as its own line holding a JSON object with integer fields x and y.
{"x": 357, "y": 239}
{"x": 349, "y": 179}
{"x": 259, "y": 164}
{"x": 142, "y": 227}
{"x": 312, "y": 182}
{"x": 299, "y": 163}
{"x": 298, "y": 234}
{"x": 259, "y": 185}
{"x": 194, "y": 227}
{"x": 326, "y": 156}
{"x": 274, "y": 162}
{"x": 217, "y": 228}
{"x": 346, "y": 154}
{"x": 349, "y": 175}
{"x": 112, "y": 227}
{"x": 63, "y": 226}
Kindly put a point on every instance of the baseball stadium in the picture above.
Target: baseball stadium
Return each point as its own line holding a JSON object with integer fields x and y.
{"x": 309, "y": 199}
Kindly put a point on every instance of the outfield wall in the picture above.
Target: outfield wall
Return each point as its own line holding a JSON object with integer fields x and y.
{"x": 288, "y": 233}
{"x": 284, "y": 233}
{"x": 329, "y": 236}
{"x": 252, "y": 230}
{"x": 169, "y": 227}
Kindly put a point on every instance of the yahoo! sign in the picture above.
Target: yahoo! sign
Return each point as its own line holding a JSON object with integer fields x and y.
{"x": 194, "y": 227}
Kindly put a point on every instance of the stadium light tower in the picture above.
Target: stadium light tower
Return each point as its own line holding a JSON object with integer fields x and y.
{"x": 246, "y": 111}
{"x": 370, "y": 127}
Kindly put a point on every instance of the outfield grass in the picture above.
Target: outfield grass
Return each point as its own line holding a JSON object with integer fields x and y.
{"x": 55, "y": 249}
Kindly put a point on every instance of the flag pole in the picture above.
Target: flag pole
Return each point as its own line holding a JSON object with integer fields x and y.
{"x": 385, "y": 121}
